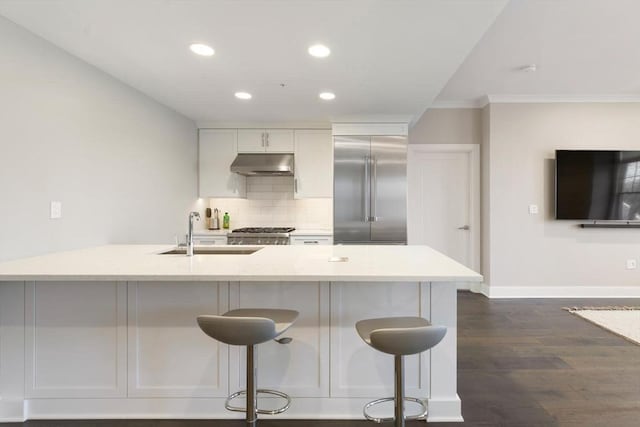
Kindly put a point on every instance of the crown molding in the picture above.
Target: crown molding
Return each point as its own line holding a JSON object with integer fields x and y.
{"x": 470, "y": 103}
{"x": 373, "y": 118}
{"x": 535, "y": 99}
{"x": 541, "y": 99}
{"x": 262, "y": 125}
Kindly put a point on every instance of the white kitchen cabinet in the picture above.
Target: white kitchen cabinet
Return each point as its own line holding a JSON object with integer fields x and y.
{"x": 251, "y": 141}
{"x": 311, "y": 240}
{"x": 209, "y": 240}
{"x": 168, "y": 355}
{"x": 265, "y": 141}
{"x": 357, "y": 370}
{"x": 313, "y": 164}
{"x": 75, "y": 339}
{"x": 217, "y": 152}
{"x": 300, "y": 368}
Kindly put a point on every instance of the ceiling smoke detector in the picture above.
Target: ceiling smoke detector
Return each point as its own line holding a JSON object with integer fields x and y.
{"x": 531, "y": 68}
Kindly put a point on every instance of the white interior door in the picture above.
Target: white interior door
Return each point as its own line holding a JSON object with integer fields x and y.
{"x": 442, "y": 200}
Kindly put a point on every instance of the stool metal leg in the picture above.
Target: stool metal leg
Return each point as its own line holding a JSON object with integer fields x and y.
{"x": 399, "y": 391}
{"x": 398, "y": 400}
{"x": 251, "y": 393}
{"x": 252, "y": 414}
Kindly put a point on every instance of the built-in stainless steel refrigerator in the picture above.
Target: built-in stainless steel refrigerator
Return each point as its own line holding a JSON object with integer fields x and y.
{"x": 370, "y": 190}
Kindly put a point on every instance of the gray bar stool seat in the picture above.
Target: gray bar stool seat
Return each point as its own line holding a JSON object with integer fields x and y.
{"x": 399, "y": 336}
{"x": 250, "y": 327}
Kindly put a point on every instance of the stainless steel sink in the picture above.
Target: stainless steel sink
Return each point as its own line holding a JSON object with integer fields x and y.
{"x": 217, "y": 250}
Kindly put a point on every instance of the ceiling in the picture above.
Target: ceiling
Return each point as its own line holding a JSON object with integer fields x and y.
{"x": 387, "y": 56}
{"x": 585, "y": 50}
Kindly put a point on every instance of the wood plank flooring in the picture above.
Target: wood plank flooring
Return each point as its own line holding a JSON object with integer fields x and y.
{"x": 520, "y": 363}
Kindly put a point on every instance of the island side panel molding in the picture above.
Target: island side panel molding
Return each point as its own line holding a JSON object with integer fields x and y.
{"x": 425, "y": 356}
{"x": 75, "y": 339}
{"x": 168, "y": 354}
{"x": 357, "y": 370}
{"x": 300, "y": 368}
{"x": 12, "y": 408}
{"x": 444, "y": 404}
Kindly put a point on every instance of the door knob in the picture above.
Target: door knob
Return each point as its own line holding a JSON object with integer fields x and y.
{"x": 464, "y": 227}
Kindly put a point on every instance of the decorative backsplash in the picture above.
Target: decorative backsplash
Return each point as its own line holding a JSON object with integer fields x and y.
{"x": 270, "y": 203}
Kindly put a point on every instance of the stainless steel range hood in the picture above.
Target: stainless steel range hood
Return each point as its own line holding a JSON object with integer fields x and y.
{"x": 270, "y": 164}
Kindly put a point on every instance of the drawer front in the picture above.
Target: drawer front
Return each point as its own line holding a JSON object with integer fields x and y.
{"x": 311, "y": 240}
{"x": 209, "y": 241}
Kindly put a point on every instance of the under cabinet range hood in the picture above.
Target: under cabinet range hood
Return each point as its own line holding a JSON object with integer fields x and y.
{"x": 267, "y": 164}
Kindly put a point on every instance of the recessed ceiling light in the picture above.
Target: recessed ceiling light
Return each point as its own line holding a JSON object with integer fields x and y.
{"x": 243, "y": 95}
{"x": 202, "y": 49}
{"x": 327, "y": 96}
{"x": 319, "y": 51}
{"x": 531, "y": 68}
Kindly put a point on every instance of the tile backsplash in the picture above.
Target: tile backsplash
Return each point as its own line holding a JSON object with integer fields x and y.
{"x": 270, "y": 203}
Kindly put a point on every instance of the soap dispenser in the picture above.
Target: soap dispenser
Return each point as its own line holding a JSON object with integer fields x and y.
{"x": 215, "y": 221}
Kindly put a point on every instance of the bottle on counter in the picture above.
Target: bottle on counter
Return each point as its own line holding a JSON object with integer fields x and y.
{"x": 225, "y": 220}
{"x": 215, "y": 220}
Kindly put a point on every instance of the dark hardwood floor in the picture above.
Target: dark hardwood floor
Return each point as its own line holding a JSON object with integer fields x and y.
{"x": 520, "y": 363}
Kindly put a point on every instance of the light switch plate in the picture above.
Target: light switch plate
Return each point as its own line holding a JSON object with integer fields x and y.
{"x": 631, "y": 264}
{"x": 533, "y": 209}
{"x": 55, "y": 210}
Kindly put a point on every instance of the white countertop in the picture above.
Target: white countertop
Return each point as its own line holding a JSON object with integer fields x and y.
{"x": 271, "y": 263}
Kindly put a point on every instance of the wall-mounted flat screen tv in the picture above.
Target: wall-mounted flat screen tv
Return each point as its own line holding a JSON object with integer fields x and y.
{"x": 598, "y": 185}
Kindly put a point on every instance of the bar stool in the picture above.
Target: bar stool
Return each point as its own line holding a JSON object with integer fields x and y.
{"x": 400, "y": 336}
{"x": 249, "y": 327}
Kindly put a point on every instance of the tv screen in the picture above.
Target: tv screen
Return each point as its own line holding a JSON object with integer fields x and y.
{"x": 598, "y": 185}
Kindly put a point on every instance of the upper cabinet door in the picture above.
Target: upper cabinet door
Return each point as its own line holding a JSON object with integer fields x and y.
{"x": 251, "y": 141}
{"x": 265, "y": 140}
{"x": 313, "y": 164}
{"x": 279, "y": 140}
{"x": 217, "y": 152}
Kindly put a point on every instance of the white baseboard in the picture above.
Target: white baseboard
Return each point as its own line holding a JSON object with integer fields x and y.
{"x": 479, "y": 288}
{"x": 465, "y": 286}
{"x": 556, "y": 291}
{"x": 12, "y": 411}
{"x": 440, "y": 410}
{"x": 445, "y": 410}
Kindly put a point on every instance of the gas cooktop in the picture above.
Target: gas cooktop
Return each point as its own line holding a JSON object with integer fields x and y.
{"x": 268, "y": 230}
{"x": 260, "y": 236}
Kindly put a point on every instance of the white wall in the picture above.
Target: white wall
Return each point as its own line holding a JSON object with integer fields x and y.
{"x": 270, "y": 203}
{"x": 536, "y": 250}
{"x": 124, "y": 166}
{"x": 448, "y": 126}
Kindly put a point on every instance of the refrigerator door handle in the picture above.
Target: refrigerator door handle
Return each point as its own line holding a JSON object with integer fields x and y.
{"x": 367, "y": 188}
{"x": 374, "y": 190}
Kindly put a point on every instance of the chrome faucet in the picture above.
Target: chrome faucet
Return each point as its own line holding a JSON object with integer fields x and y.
{"x": 192, "y": 215}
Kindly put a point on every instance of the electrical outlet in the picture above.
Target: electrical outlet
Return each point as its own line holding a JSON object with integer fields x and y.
{"x": 533, "y": 209}
{"x": 631, "y": 264}
{"x": 55, "y": 211}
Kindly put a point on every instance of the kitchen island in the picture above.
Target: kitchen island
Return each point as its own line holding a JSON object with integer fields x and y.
{"x": 110, "y": 332}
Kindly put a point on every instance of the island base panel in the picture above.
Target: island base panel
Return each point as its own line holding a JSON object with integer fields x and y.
{"x": 140, "y": 336}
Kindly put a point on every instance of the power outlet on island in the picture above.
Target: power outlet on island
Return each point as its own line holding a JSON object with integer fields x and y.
{"x": 55, "y": 210}
{"x": 631, "y": 264}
